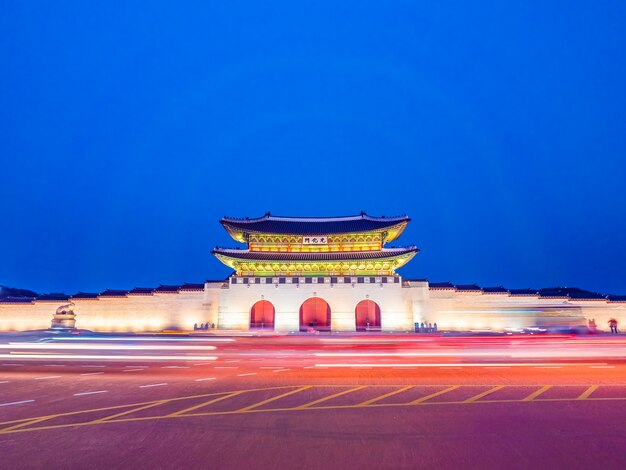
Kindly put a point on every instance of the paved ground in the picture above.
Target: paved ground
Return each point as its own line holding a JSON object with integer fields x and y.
{"x": 323, "y": 402}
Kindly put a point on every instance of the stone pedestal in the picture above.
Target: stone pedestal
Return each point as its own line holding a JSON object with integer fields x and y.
{"x": 63, "y": 321}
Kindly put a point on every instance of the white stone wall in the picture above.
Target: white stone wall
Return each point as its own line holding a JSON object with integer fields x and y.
{"x": 402, "y": 305}
{"x": 137, "y": 313}
{"x": 457, "y": 310}
{"x": 394, "y": 301}
{"x": 30, "y": 316}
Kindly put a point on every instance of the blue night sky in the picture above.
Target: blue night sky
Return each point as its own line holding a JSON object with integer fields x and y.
{"x": 127, "y": 131}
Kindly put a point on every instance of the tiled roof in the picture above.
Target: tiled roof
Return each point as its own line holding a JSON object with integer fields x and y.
{"x": 16, "y": 300}
{"x": 586, "y": 296}
{"x": 166, "y": 289}
{"x": 313, "y": 225}
{"x": 495, "y": 290}
{"x": 85, "y": 295}
{"x": 60, "y": 297}
{"x": 440, "y": 285}
{"x": 570, "y": 292}
{"x": 190, "y": 286}
{"x": 312, "y": 256}
{"x": 468, "y": 288}
{"x": 523, "y": 292}
{"x": 113, "y": 293}
{"x": 141, "y": 291}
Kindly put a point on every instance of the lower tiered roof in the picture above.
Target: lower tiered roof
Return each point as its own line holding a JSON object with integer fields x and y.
{"x": 269, "y": 263}
{"x": 313, "y": 256}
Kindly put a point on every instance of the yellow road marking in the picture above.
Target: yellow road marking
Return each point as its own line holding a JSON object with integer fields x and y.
{"x": 218, "y": 413}
{"x": 210, "y": 402}
{"x": 586, "y": 393}
{"x": 330, "y": 397}
{"x": 536, "y": 393}
{"x": 117, "y": 407}
{"x": 25, "y": 423}
{"x": 386, "y": 395}
{"x": 433, "y": 395}
{"x": 123, "y": 413}
{"x": 269, "y": 400}
{"x": 484, "y": 394}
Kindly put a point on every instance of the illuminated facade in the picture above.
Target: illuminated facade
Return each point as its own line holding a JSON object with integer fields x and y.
{"x": 325, "y": 274}
{"x": 331, "y": 273}
{"x": 297, "y": 246}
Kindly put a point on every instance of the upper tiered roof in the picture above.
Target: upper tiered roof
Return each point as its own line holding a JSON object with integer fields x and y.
{"x": 312, "y": 225}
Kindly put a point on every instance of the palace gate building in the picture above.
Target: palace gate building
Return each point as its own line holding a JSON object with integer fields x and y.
{"x": 325, "y": 274}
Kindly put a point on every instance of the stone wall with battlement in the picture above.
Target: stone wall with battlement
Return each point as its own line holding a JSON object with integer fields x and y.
{"x": 402, "y": 304}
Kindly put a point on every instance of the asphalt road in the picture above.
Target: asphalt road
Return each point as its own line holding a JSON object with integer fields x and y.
{"x": 313, "y": 402}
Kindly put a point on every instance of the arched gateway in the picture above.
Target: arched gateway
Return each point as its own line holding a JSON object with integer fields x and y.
{"x": 315, "y": 313}
{"x": 367, "y": 315}
{"x": 262, "y": 315}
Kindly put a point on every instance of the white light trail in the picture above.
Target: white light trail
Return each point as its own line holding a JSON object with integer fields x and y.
{"x": 16, "y": 402}
{"x": 107, "y": 347}
{"x": 90, "y": 393}
{"x": 127, "y": 338}
{"x": 108, "y": 357}
{"x": 521, "y": 364}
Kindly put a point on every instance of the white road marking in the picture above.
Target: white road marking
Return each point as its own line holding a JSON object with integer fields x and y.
{"x": 48, "y": 377}
{"x": 14, "y": 365}
{"x": 280, "y": 370}
{"x": 602, "y": 367}
{"x": 4, "y": 382}
{"x": 16, "y": 402}
{"x": 90, "y": 393}
{"x": 249, "y": 373}
{"x": 92, "y": 373}
{"x": 132, "y": 370}
{"x": 201, "y": 363}
{"x": 99, "y": 366}
{"x": 232, "y": 360}
{"x": 547, "y": 367}
{"x": 152, "y": 385}
{"x": 206, "y": 378}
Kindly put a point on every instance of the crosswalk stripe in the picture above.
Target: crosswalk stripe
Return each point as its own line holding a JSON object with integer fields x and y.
{"x": 484, "y": 394}
{"x": 586, "y": 393}
{"x": 269, "y": 400}
{"x": 329, "y": 397}
{"x": 433, "y": 395}
{"x": 386, "y": 395}
{"x": 210, "y": 402}
{"x": 536, "y": 393}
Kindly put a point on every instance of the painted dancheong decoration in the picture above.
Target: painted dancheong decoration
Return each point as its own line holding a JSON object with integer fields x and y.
{"x": 306, "y": 246}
